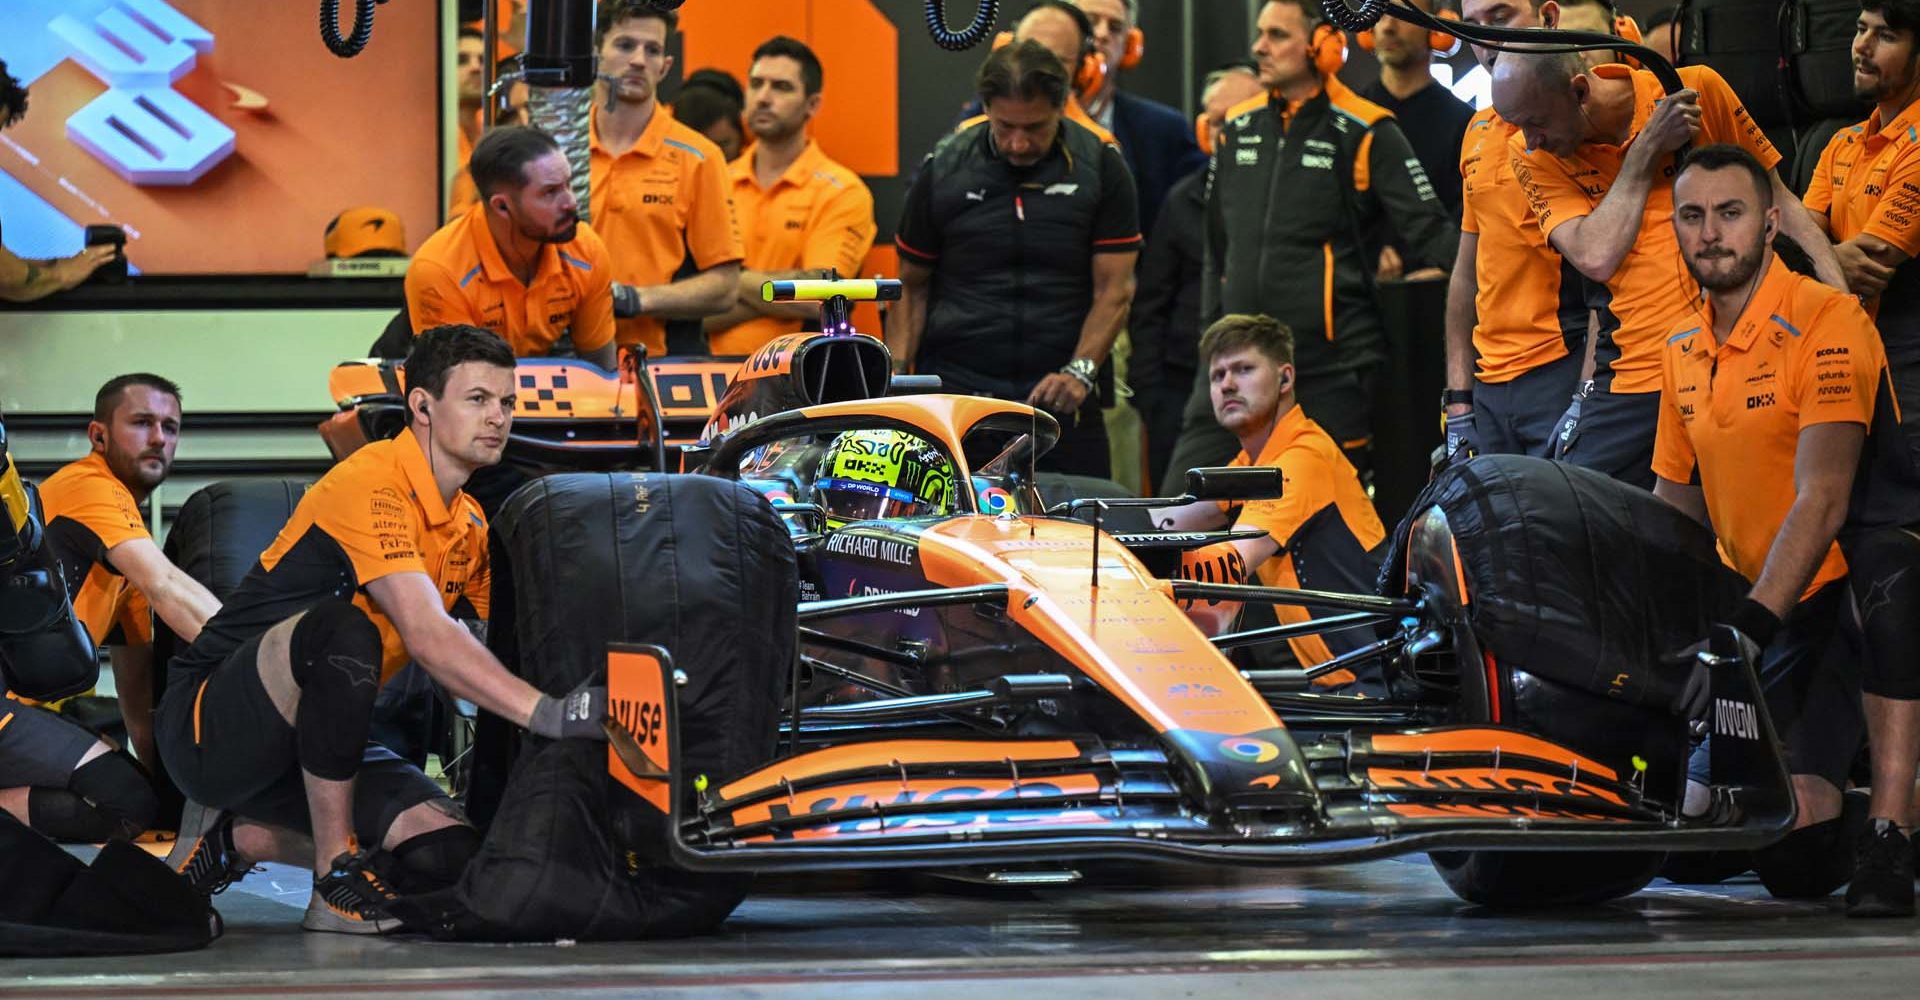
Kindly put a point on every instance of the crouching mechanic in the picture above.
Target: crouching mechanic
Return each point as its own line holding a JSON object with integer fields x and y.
{"x": 1324, "y": 517}
{"x": 264, "y": 721}
{"x": 55, "y": 776}
{"x": 1764, "y": 405}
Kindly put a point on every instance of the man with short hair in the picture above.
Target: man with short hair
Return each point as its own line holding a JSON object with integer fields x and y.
{"x": 1433, "y": 120}
{"x": 1864, "y": 194}
{"x": 519, "y": 263}
{"x": 1301, "y": 175}
{"x": 55, "y": 776}
{"x": 1517, "y": 317}
{"x": 660, "y": 189}
{"x": 1593, "y": 152}
{"x": 1165, "y": 324}
{"x": 801, "y": 213}
{"x": 1017, "y": 247}
{"x": 264, "y": 722}
{"x": 1765, "y": 399}
{"x": 1156, "y": 140}
{"x": 1323, "y": 518}
{"x": 29, "y": 280}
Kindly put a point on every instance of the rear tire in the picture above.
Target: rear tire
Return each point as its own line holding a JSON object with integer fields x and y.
{"x": 1533, "y": 879}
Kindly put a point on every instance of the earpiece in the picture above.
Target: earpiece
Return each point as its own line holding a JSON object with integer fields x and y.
{"x": 1328, "y": 47}
{"x": 1203, "y": 134}
{"x": 1438, "y": 41}
{"x": 1136, "y": 49}
{"x": 1629, "y": 29}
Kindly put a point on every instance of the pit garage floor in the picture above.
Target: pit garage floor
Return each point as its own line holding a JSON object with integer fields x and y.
{"x": 1385, "y": 929}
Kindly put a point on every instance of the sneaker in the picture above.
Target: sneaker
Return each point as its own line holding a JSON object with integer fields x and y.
{"x": 351, "y": 899}
{"x": 203, "y": 854}
{"x": 1882, "y": 873}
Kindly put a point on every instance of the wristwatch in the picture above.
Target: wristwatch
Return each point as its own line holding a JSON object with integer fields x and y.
{"x": 1083, "y": 369}
{"x": 1456, "y": 397}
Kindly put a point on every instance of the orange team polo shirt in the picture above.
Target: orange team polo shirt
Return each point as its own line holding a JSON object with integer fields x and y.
{"x": 1314, "y": 474}
{"x": 657, "y": 204}
{"x": 1530, "y": 307}
{"x": 818, "y": 214}
{"x": 1651, "y": 294}
{"x": 88, "y": 512}
{"x": 1801, "y": 354}
{"x": 373, "y": 515}
{"x": 1868, "y": 181}
{"x": 458, "y": 276}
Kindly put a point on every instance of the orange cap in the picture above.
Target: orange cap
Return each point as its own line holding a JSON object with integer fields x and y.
{"x": 366, "y": 232}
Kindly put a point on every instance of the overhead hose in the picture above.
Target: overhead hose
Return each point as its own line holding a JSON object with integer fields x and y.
{"x": 1534, "y": 40}
{"x": 1362, "y": 18}
{"x": 350, "y": 46}
{"x": 976, "y": 32}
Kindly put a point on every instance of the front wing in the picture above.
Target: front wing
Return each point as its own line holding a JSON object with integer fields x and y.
{"x": 885, "y": 803}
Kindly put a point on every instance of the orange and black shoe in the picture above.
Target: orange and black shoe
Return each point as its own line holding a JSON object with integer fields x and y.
{"x": 204, "y": 854}
{"x": 351, "y": 899}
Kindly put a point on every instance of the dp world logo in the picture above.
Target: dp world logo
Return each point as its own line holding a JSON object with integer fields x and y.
{"x": 141, "y": 127}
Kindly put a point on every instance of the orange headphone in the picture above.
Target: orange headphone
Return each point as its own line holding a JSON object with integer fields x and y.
{"x": 1136, "y": 49}
{"x": 1438, "y": 41}
{"x": 1327, "y": 47}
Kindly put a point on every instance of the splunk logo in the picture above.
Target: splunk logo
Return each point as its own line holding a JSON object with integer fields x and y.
{"x": 142, "y": 128}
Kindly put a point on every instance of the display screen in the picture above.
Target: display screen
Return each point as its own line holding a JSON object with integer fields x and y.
{"x": 222, "y": 134}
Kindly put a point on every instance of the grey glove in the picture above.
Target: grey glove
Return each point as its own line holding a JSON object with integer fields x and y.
{"x": 1568, "y": 429}
{"x": 1463, "y": 437}
{"x": 626, "y": 301}
{"x": 575, "y": 715}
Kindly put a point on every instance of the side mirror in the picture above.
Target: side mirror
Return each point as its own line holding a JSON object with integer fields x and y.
{"x": 913, "y": 385}
{"x": 1229, "y": 483}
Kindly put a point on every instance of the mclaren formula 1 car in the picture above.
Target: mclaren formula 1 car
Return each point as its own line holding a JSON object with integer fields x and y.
{"x": 986, "y": 681}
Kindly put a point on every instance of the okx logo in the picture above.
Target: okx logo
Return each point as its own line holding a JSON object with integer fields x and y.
{"x": 141, "y": 127}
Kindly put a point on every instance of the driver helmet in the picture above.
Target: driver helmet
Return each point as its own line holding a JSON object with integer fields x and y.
{"x": 875, "y": 474}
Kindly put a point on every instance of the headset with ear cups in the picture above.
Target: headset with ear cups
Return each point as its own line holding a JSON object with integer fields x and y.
{"x": 1135, "y": 51}
{"x": 1438, "y": 41}
{"x": 1328, "y": 49}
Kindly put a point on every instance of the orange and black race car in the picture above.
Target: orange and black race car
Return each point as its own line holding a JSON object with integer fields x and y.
{"x": 987, "y": 681}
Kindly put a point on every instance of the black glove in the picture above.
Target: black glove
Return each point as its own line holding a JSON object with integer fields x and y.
{"x": 1568, "y": 428}
{"x": 1463, "y": 437}
{"x": 576, "y": 715}
{"x": 1756, "y": 627}
{"x": 626, "y": 301}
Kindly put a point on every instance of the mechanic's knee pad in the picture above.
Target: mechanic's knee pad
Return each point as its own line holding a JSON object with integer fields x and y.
{"x": 1886, "y": 599}
{"x": 108, "y": 797}
{"x": 434, "y": 860}
{"x": 334, "y": 655}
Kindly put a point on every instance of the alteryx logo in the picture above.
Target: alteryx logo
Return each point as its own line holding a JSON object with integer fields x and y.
{"x": 142, "y": 128}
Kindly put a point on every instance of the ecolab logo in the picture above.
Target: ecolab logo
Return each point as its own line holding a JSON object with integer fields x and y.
{"x": 1735, "y": 718}
{"x": 142, "y": 128}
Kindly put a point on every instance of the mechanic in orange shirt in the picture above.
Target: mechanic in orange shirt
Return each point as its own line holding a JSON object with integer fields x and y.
{"x": 1512, "y": 301}
{"x": 800, "y": 212}
{"x": 55, "y": 776}
{"x": 1866, "y": 193}
{"x": 1765, "y": 399}
{"x": 1594, "y": 156}
{"x": 520, "y": 263}
{"x": 660, "y": 189}
{"x": 1324, "y": 518}
{"x": 265, "y": 718}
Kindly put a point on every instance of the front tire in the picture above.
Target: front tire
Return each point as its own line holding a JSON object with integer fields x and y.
{"x": 1535, "y": 879}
